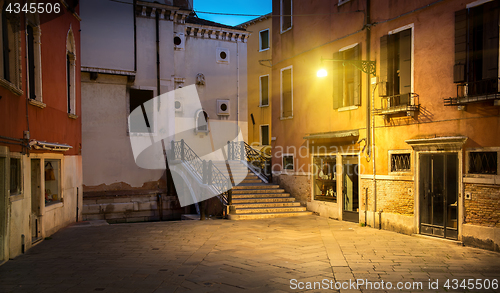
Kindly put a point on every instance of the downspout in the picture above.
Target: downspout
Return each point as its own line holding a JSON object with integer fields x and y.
{"x": 237, "y": 87}
{"x": 135, "y": 37}
{"x": 26, "y": 137}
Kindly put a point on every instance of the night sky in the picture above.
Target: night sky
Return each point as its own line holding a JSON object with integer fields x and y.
{"x": 255, "y": 7}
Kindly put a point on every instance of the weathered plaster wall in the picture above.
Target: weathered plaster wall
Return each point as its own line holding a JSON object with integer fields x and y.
{"x": 299, "y": 186}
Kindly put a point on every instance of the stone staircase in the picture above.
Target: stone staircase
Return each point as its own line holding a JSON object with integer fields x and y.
{"x": 255, "y": 199}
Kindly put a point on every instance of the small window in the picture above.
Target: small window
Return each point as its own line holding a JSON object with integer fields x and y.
{"x": 288, "y": 162}
{"x": 286, "y": 15}
{"x": 264, "y": 39}
{"x": 52, "y": 178}
{"x": 10, "y": 57}
{"x": 264, "y": 90}
{"x": 15, "y": 176}
{"x": 142, "y": 119}
{"x": 347, "y": 79}
{"x": 483, "y": 163}
{"x": 177, "y": 41}
{"x": 400, "y": 163}
{"x": 202, "y": 122}
{"x": 70, "y": 72}
{"x": 286, "y": 93}
{"x": 264, "y": 134}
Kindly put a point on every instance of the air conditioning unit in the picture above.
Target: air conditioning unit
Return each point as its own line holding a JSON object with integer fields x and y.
{"x": 179, "y": 40}
{"x": 223, "y": 107}
{"x": 178, "y": 106}
{"x": 222, "y": 55}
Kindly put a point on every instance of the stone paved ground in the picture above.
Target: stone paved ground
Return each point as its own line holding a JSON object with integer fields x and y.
{"x": 234, "y": 256}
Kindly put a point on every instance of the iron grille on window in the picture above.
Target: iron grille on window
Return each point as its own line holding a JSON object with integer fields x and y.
{"x": 400, "y": 162}
{"x": 483, "y": 162}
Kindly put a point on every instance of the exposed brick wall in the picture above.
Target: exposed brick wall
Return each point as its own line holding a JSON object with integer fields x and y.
{"x": 484, "y": 206}
{"x": 392, "y": 196}
{"x": 298, "y": 186}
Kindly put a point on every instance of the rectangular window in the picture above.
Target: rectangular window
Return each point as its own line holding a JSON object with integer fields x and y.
{"x": 483, "y": 163}
{"x": 15, "y": 176}
{"x": 286, "y": 15}
{"x": 52, "y": 178}
{"x": 347, "y": 79}
{"x": 325, "y": 178}
{"x": 400, "y": 163}
{"x": 141, "y": 119}
{"x": 31, "y": 62}
{"x": 264, "y": 134}
{"x": 264, "y": 39}
{"x": 6, "y": 44}
{"x": 477, "y": 49}
{"x": 286, "y": 93}
{"x": 395, "y": 68}
{"x": 288, "y": 162}
{"x": 10, "y": 75}
{"x": 264, "y": 90}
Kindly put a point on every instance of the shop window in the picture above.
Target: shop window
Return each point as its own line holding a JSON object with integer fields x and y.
{"x": 10, "y": 75}
{"x": 286, "y": 15}
{"x": 264, "y": 40}
{"x": 141, "y": 119}
{"x": 264, "y": 134}
{"x": 70, "y": 72}
{"x": 346, "y": 79}
{"x": 395, "y": 68}
{"x": 52, "y": 178}
{"x": 483, "y": 163}
{"x": 286, "y": 93}
{"x": 325, "y": 178}
{"x": 400, "y": 162}
{"x": 264, "y": 90}
{"x": 15, "y": 176}
{"x": 288, "y": 162}
{"x": 477, "y": 49}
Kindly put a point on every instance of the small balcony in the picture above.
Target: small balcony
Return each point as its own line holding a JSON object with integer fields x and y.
{"x": 474, "y": 92}
{"x": 399, "y": 104}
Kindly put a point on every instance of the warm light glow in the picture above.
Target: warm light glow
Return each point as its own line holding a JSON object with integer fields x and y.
{"x": 322, "y": 73}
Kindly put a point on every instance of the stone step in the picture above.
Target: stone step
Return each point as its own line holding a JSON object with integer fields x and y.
{"x": 242, "y": 186}
{"x": 262, "y": 200}
{"x": 257, "y": 191}
{"x": 267, "y": 215}
{"x": 261, "y": 195}
{"x": 269, "y": 210}
{"x": 265, "y": 204}
{"x": 247, "y": 181}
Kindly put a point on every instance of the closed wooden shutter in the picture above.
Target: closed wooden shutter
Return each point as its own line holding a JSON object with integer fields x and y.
{"x": 337, "y": 81}
{"x": 357, "y": 77}
{"x": 384, "y": 58}
{"x": 405, "y": 61}
{"x": 286, "y": 19}
{"x": 460, "y": 46}
{"x": 490, "y": 40}
{"x": 286, "y": 94}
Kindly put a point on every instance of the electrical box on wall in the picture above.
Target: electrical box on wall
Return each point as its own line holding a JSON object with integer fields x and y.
{"x": 223, "y": 107}
{"x": 179, "y": 40}
{"x": 222, "y": 55}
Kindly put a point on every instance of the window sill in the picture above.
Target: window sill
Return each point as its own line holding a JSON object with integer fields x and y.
{"x": 282, "y": 32}
{"x": 263, "y": 106}
{"x": 142, "y": 133}
{"x": 16, "y": 197}
{"x": 10, "y": 86}
{"x": 286, "y": 118}
{"x": 53, "y": 205}
{"x": 36, "y": 103}
{"x": 347, "y": 108}
{"x": 263, "y": 50}
{"x": 72, "y": 116}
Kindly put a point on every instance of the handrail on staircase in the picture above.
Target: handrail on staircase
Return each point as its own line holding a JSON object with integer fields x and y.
{"x": 207, "y": 172}
{"x": 243, "y": 151}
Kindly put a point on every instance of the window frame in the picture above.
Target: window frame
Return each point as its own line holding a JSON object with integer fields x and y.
{"x": 197, "y": 117}
{"x": 268, "y": 135}
{"x": 390, "y": 153}
{"x": 20, "y": 193}
{"x": 260, "y": 91}
{"x": 281, "y": 16}
{"x": 352, "y": 105}
{"x": 315, "y": 176}
{"x": 283, "y": 162}
{"x": 34, "y": 23}
{"x": 412, "y": 63}
{"x": 268, "y": 40}
{"x": 60, "y": 176}
{"x": 71, "y": 74}
{"x": 483, "y": 149}
{"x": 14, "y": 82}
{"x": 281, "y": 92}
{"x": 154, "y": 99}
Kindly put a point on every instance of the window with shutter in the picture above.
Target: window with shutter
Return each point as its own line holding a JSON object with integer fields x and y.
{"x": 346, "y": 79}
{"x": 286, "y": 15}
{"x": 264, "y": 90}
{"x": 286, "y": 93}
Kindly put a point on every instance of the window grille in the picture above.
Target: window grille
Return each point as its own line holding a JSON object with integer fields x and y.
{"x": 400, "y": 162}
{"x": 483, "y": 163}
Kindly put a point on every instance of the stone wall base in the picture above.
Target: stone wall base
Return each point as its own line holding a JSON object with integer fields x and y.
{"x": 482, "y": 237}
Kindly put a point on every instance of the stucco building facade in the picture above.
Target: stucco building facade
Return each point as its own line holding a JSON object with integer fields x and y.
{"x": 40, "y": 125}
{"x": 402, "y": 131}
{"x": 160, "y": 47}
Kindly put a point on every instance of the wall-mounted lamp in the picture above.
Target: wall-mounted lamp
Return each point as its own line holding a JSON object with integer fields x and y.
{"x": 366, "y": 66}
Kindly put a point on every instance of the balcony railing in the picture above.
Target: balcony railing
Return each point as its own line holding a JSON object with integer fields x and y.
{"x": 472, "y": 92}
{"x": 403, "y": 103}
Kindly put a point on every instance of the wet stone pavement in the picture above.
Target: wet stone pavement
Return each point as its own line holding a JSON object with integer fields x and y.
{"x": 302, "y": 254}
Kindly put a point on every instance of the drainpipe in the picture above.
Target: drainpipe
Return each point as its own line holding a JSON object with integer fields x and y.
{"x": 237, "y": 87}
{"x": 135, "y": 36}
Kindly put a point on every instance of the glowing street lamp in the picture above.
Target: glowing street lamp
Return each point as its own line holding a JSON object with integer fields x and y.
{"x": 322, "y": 73}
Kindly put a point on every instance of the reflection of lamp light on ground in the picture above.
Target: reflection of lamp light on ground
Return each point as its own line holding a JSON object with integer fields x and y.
{"x": 322, "y": 73}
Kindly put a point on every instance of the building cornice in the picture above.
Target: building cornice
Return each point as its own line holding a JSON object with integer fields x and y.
{"x": 255, "y": 20}
{"x": 218, "y": 33}
{"x": 166, "y": 12}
